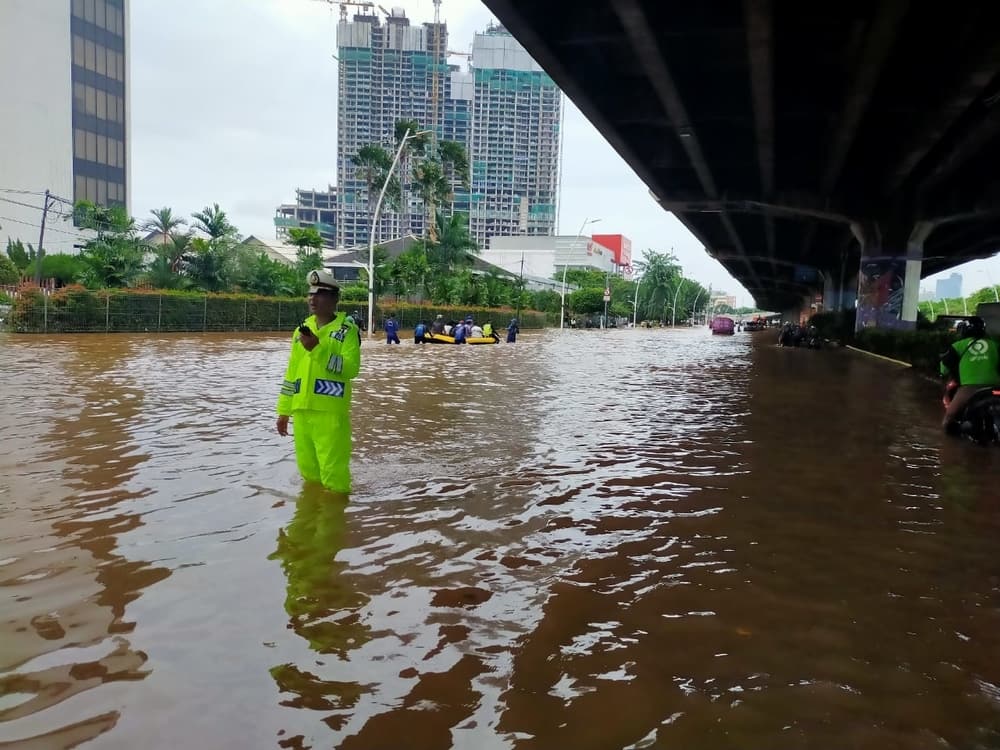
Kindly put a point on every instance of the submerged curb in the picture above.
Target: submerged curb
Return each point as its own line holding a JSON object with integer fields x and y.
{"x": 878, "y": 356}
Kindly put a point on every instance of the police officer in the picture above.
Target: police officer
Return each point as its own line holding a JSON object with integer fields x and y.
{"x": 316, "y": 394}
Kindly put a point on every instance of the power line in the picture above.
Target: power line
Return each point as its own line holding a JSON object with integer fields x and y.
{"x": 19, "y": 203}
{"x": 22, "y": 192}
{"x": 51, "y": 229}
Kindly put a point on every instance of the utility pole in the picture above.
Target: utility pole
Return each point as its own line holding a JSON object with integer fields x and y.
{"x": 607, "y": 298}
{"x": 520, "y": 290}
{"x": 41, "y": 239}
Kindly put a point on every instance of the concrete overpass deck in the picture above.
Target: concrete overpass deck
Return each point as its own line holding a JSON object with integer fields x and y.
{"x": 793, "y": 139}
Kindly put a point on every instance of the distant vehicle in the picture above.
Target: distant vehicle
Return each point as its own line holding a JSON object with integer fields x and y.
{"x": 723, "y": 326}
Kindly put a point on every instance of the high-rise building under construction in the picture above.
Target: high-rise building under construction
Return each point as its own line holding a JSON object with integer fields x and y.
{"x": 514, "y": 147}
{"x": 504, "y": 109}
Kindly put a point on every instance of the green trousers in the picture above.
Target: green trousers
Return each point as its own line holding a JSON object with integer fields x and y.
{"x": 323, "y": 448}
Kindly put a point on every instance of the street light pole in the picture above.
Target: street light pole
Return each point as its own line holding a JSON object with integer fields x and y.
{"x": 562, "y": 300}
{"x": 607, "y": 288}
{"x": 994, "y": 286}
{"x": 694, "y": 305}
{"x": 635, "y": 303}
{"x": 375, "y": 218}
{"x": 673, "y": 314}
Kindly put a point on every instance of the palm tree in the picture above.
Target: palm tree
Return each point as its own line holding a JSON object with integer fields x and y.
{"x": 164, "y": 222}
{"x": 416, "y": 145}
{"x": 176, "y": 248}
{"x": 213, "y": 221}
{"x": 660, "y": 273}
{"x": 432, "y": 187}
{"x": 455, "y": 160}
{"x": 372, "y": 162}
{"x": 435, "y": 179}
{"x": 454, "y": 243}
{"x": 161, "y": 273}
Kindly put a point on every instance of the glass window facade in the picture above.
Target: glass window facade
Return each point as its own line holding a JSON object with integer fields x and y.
{"x": 99, "y": 116}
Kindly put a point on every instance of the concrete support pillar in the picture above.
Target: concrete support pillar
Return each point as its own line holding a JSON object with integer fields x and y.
{"x": 914, "y": 263}
{"x": 831, "y": 296}
{"x": 889, "y": 278}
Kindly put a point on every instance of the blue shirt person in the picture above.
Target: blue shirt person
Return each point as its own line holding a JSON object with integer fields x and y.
{"x": 512, "y": 331}
{"x": 391, "y": 330}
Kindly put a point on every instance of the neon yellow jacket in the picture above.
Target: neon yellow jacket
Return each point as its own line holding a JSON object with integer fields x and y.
{"x": 320, "y": 380}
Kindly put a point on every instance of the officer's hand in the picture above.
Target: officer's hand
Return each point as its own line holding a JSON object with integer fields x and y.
{"x": 282, "y": 426}
{"x": 308, "y": 340}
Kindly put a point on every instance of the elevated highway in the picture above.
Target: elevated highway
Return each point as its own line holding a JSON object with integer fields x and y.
{"x": 802, "y": 143}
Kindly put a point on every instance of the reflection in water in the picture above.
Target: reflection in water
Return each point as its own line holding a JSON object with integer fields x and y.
{"x": 592, "y": 539}
{"x": 322, "y": 605}
{"x": 70, "y": 584}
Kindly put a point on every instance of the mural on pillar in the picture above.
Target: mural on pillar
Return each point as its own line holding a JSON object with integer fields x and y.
{"x": 880, "y": 292}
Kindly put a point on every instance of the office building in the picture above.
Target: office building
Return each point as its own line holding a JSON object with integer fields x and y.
{"x": 514, "y": 149}
{"x": 950, "y": 288}
{"x": 312, "y": 208}
{"x": 64, "y": 85}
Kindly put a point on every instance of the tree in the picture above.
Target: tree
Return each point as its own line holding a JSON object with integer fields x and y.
{"x": 64, "y": 269}
{"x": 164, "y": 223}
{"x": 269, "y": 277}
{"x": 16, "y": 252}
{"x": 161, "y": 273}
{"x": 177, "y": 248}
{"x": 455, "y": 160}
{"x": 415, "y": 145}
{"x": 9, "y": 272}
{"x": 453, "y": 245}
{"x": 305, "y": 238}
{"x": 372, "y": 163}
{"x": 586, "y": 301}
{"x": 432, "y": 187}
{"x": 115, "y": 258}
{"x": 210, "y": 265}
{"x": 660, "y": 276}
{"x": 410, "y": 271}
{"x": 435, "y": 177}
{"x": 213, "y": 221}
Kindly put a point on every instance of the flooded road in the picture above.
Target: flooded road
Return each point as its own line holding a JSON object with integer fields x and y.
{"x": 589, "y": 540}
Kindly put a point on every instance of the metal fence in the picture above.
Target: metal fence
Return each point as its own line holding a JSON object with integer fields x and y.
{"x": 78, "y": 310}
{"x": 106, "y": 312}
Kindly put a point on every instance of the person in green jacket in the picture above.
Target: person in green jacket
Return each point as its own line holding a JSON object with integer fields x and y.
{"x": 974, "y": 363}
{"x": 316, "y": 394}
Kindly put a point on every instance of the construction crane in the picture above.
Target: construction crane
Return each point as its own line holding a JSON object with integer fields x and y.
{"x": 436, "y": 75}
{"x": 344, "y": 4}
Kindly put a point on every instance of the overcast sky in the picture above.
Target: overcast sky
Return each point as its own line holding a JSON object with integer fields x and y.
{"x": 234, "y": 102}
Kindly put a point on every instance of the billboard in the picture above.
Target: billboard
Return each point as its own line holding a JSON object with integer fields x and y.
{"x": 880, "y": 292}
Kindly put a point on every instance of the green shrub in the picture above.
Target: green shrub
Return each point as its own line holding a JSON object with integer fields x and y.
{"x": 922, "y": 349}
{"x": 76, "y": 309}
{"x": 9, "y": 273}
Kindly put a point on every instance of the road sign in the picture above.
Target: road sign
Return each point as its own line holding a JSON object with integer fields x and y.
{"x": 607, "y": 294}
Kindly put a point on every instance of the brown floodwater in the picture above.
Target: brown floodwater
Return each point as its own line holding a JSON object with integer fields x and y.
{"x": 589, "y": 540}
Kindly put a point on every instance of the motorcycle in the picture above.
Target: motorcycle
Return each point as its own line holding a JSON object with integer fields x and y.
{"x": 979, "y": 420}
